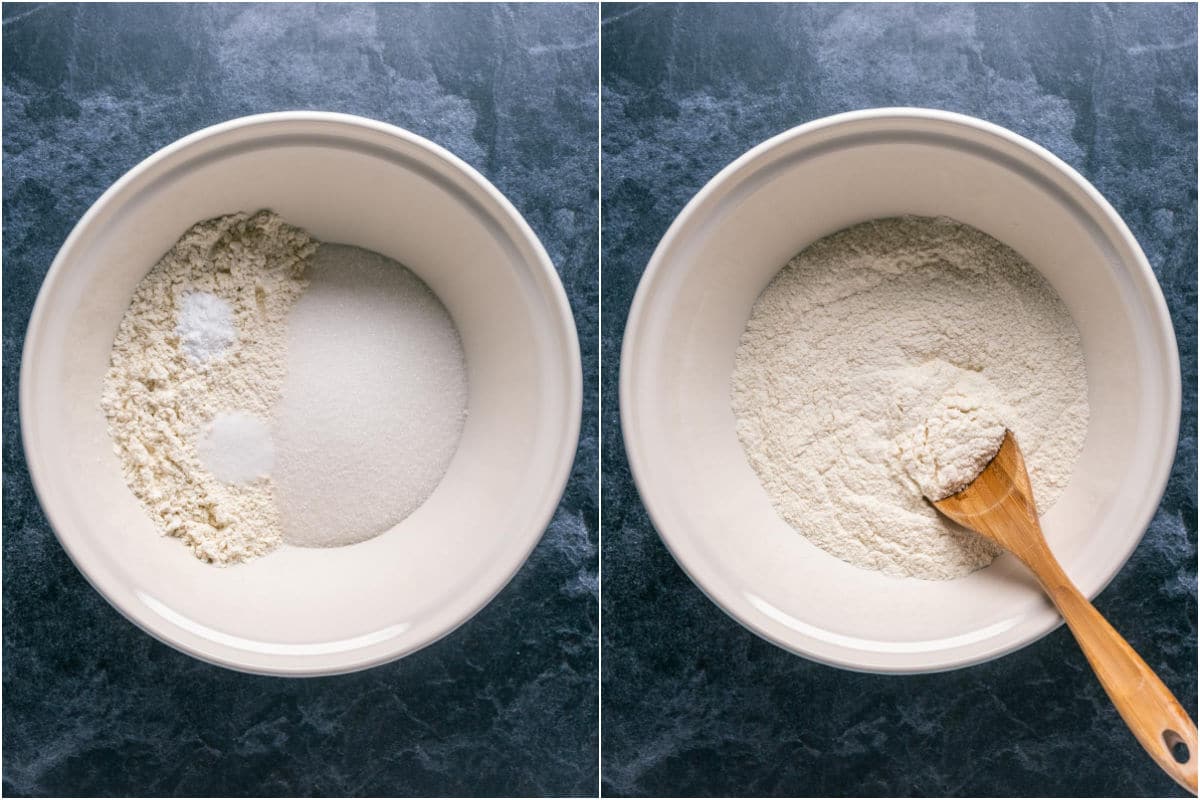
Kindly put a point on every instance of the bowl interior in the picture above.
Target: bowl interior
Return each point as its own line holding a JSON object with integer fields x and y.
{"x": 694, "y": 303}
{"x": 308, "y": 610}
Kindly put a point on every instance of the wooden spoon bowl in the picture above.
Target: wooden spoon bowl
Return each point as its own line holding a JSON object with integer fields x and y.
{"x": 999, "y": 506}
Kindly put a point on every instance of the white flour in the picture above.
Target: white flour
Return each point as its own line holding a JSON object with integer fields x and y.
{"x": 176, "y": 364}
{"x": 878, "y": 334}
{"x": 952, "y": 445}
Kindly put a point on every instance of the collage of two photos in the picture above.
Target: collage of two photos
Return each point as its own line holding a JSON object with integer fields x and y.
{"x": 599, "y": 399}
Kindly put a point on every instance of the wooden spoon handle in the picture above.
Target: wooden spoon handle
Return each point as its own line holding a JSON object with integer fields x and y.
{"x": 1156, "y": 718}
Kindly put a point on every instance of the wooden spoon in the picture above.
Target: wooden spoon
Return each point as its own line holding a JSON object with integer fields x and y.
{"x": 999, "y": 505}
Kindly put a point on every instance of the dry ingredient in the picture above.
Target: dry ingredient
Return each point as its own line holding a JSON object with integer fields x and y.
{"x": 236, "y": 447}
{"x": 205, "y": 327}
{"x": 952, "y": 445}
{"x": 374, "y": 400}
{"x": 177, "y": 364}
{"x": 866, "y": 365}
{"x": 263, "y": 390}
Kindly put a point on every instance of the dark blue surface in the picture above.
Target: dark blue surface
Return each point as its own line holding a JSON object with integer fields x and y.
{"x": 505, "y": 705}
{"x": 695, "y": 704}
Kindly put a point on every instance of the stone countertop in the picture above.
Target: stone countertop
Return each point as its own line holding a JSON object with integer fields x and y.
{"x": 503, "y": 706}
{"x": 695, "y": 704}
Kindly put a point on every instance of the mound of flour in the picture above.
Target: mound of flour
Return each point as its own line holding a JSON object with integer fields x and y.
{"x": 952, "y": 445}
{"x": 205, "y": 335}
{"x": 868, "y": 341}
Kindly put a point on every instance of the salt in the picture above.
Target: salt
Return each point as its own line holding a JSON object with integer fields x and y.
{"x": 204, "y": 326}
{"x": 373, "y": 403}
{"x": 236, "y": 447}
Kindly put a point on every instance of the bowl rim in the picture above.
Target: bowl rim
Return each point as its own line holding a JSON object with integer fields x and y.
{"x": 742, "y": 167}
{"x": 109, "y": 584}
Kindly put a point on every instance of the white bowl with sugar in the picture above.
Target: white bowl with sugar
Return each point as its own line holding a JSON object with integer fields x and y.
{"x": 305, "y": 610}
{"x": 689, "y": 315}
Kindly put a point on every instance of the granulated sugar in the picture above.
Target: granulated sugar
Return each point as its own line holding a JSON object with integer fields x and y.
{"x": 374, "y": 401}
{"x": 881, "y": 337}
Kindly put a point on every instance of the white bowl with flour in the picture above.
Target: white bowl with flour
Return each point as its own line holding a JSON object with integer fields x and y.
{"x": 691, "y": 310}
{"x": 303, "y": 610}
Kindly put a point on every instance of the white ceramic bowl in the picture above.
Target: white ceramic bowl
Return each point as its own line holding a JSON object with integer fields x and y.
{"x": 305, "y": 611}
{"x": 693, "y": 303}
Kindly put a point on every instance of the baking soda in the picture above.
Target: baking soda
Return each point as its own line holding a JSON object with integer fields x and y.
{"x": 205, "y": 326}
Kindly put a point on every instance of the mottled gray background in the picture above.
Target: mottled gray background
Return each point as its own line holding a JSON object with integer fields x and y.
{"x": 505, "y": 705}
{"x": 693, "y": 703}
